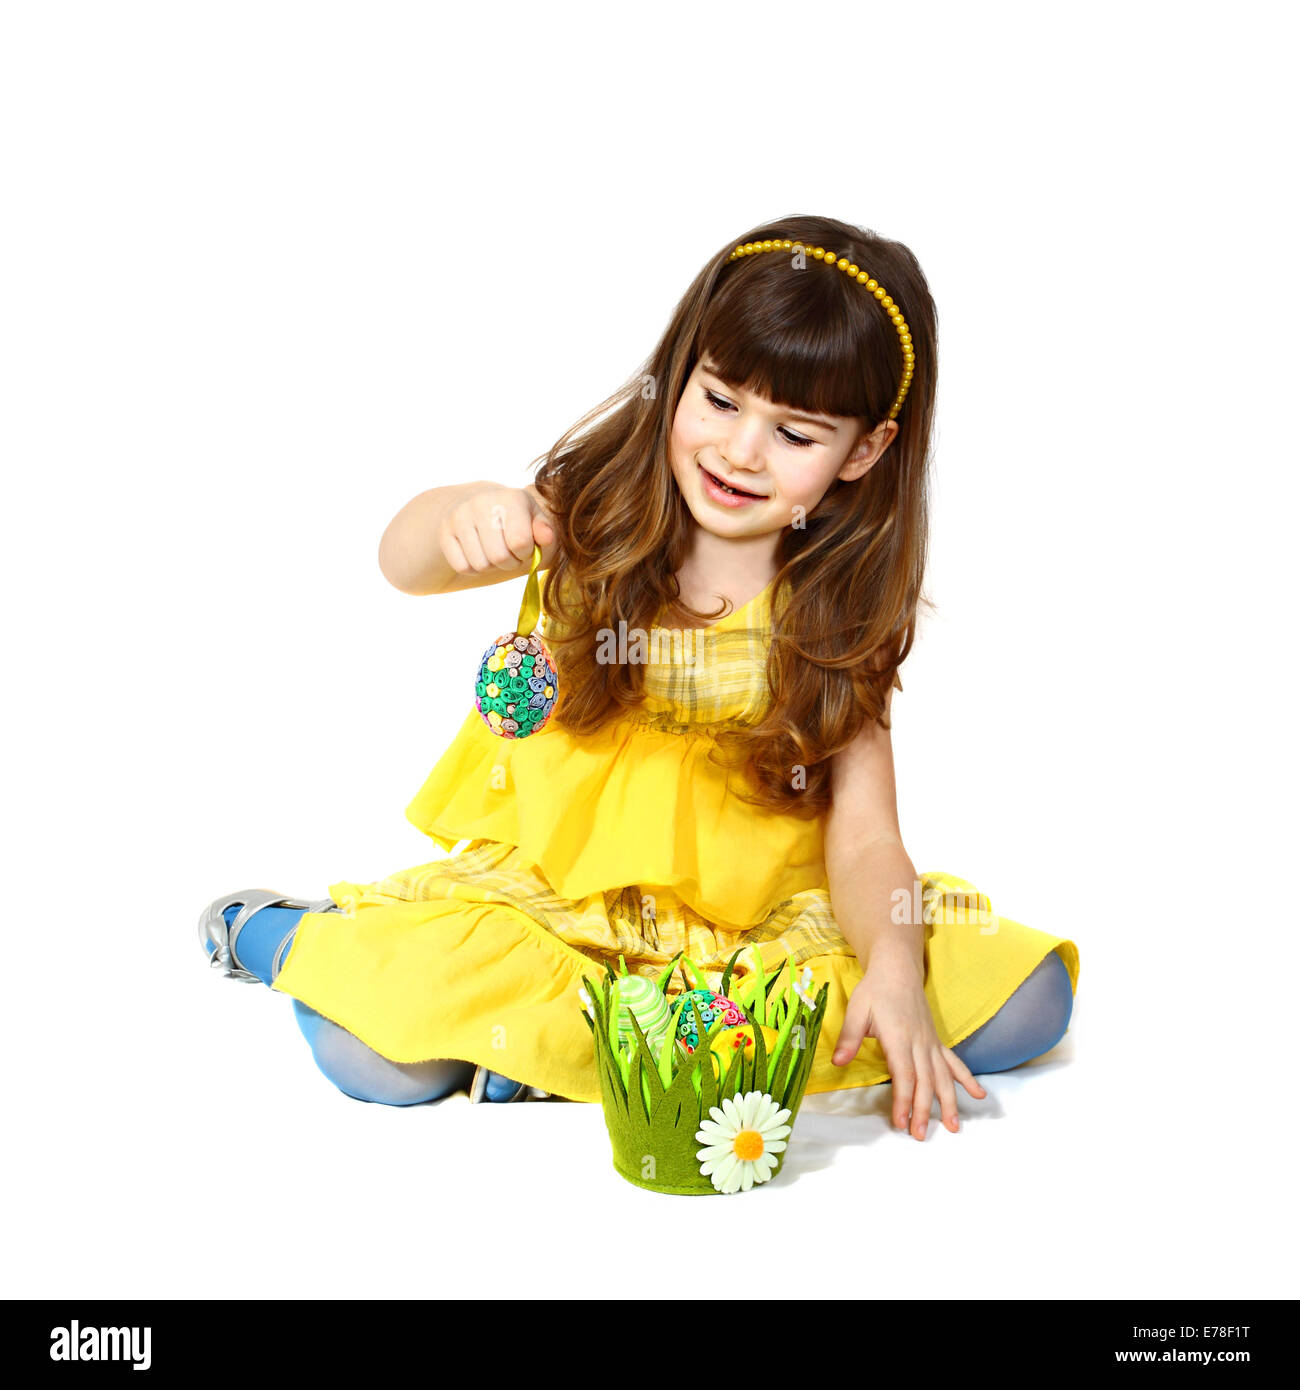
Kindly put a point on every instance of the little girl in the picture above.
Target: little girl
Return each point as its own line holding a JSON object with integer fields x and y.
{"x": 733, "y": 550}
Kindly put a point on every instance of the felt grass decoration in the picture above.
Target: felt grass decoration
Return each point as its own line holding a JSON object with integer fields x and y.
{"x": 656, "y": 1095}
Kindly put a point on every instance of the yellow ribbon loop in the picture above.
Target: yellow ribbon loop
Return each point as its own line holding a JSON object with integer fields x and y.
{"x": 532, "y": 605}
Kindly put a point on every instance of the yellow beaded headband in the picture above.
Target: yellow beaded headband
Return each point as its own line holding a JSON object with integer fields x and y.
{"x": 751, "y": 248}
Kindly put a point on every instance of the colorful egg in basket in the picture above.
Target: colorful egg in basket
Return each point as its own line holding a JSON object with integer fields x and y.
{"x": 737, "y": 1038}
{"x": 639, "y": 998}
{"x": 517, "y": 683}
{"x": 712, "y": 1007}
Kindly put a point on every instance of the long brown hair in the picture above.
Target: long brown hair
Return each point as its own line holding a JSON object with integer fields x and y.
{"x": 853, "y": 571}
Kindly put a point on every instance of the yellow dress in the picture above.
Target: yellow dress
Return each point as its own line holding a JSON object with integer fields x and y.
{"x": 568, "y": 852}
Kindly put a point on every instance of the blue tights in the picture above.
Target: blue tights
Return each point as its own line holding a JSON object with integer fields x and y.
{"x": 1030, "y": 1023}
{"x": 357, "y": 1070}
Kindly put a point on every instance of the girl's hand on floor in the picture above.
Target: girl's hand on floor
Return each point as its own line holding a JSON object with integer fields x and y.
{"x": 889, "y": 1004}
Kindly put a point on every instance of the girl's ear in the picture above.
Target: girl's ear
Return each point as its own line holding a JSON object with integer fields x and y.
{"x": 867, "y": 450}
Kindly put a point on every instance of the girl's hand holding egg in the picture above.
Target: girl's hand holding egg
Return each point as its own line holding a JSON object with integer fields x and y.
{"x": 495, "y": 528}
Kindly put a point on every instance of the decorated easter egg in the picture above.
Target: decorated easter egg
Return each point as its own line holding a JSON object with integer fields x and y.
{"x": 740, "y": 1037}
{"x": 517, "y": 685}
{"x": 639, "y": 998}
{"x": 712, "y": 1006}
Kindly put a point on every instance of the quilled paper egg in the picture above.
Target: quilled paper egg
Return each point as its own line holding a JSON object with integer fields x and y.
{"x": 639, "y": 998}
{"x": 517, "y": 685}
{"x": 741, "y": 1035}
{"x": 712, "y": 1006}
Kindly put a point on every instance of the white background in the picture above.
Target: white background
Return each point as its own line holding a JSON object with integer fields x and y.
{"x": 271, "y": 269}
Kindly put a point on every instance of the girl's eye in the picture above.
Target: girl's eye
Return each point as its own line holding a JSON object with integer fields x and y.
{"x": 790, "y": 437}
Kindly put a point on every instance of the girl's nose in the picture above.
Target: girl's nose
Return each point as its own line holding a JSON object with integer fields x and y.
{"x": 742, "y": 447}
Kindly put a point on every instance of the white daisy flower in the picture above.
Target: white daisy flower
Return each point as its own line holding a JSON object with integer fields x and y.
{"x": 743, "y": 1138}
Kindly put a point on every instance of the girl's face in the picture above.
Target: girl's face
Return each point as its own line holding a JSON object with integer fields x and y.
{"x": 779, "y": 460}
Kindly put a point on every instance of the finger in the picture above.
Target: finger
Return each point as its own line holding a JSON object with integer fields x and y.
{"x": 506, "y": 536}
{"x": 923, "y": 1099}
{"x": 543, "y": 526}
{"x": 903, "y": 1078}
{"x": 473, "y": 548}
{"x": 519, "y": 538}
{"x": 857, "y": 1018}
{"x": 454, "y": 553}
{"x": 963, "y": 1074}
{"x": 947, "y": 1092}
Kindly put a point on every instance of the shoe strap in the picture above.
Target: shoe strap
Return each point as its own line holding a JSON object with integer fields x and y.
{"x": 282, "y": 950}
{"x": 253, "y": 902}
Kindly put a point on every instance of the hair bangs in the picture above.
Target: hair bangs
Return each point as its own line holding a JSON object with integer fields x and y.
{"x": 792, "y": 337}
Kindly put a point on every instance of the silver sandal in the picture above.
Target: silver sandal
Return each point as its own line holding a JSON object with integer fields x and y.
{"x": 213, "y": 930}
{"x": 478, "y": 1090}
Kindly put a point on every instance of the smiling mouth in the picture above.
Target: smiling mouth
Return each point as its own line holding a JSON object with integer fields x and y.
{"x": 726, "y": 487}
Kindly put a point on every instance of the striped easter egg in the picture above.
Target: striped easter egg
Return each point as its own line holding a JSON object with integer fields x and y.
{"x": 638, "y": 998}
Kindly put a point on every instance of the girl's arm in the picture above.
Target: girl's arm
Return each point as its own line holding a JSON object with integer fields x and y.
{"x": 868, "y": 869}
{"x": 465, "y": 536}
{"x": 865, "y": 859}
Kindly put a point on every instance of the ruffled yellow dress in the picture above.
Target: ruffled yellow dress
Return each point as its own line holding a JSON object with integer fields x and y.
{"x": 568, "y": 852}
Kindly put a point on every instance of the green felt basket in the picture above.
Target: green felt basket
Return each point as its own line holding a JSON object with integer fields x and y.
{"x": 656, "y": 1095}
